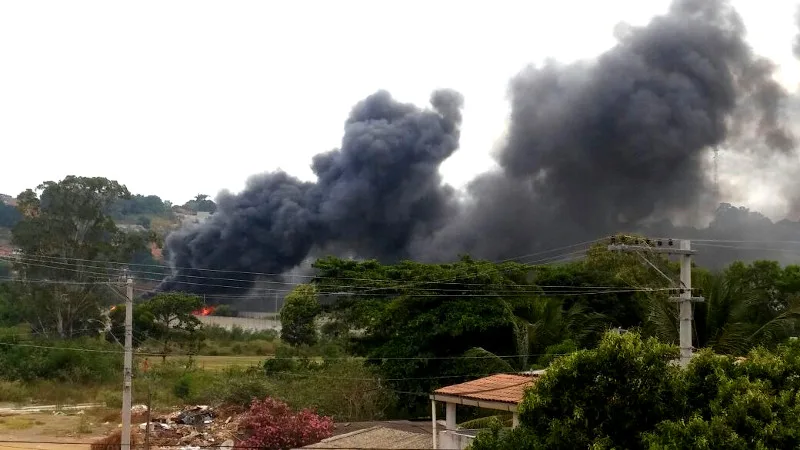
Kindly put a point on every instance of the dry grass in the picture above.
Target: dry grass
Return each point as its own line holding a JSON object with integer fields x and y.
{"x": 215, "y": 362}
{"x": 18, "y": 422}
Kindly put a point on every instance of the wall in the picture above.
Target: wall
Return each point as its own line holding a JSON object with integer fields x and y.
{"x": 246, "y": 323}
{"x": 456, "y": 439}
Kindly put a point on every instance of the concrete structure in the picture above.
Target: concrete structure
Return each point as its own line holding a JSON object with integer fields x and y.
{"x": 196, "y": 219}
{"x": 381, "y": 436}
{"x": 502, "y": 392}
{"x": 245, "y": 323}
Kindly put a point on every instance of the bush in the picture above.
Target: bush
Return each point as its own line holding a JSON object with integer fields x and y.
{"x": 627, "y": 393}
{"x": 356, "y": 395}
{"x": 271, "y": 425}
{"x": 112, "y": 399}
{"x": 237, "y": 387}
{"x": 194, "y": 386}
{"x": 42, "y": 359}
{"x": 13, "y": 391}
{"x": 225, "y": 311}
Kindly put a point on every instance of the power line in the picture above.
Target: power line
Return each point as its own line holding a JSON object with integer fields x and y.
{"x": 543, "y": 290}
{"x": 283, "y": 358}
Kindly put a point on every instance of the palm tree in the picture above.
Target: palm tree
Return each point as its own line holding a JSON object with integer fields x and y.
{"x": 544, "y": 322}
{"x": 733, "y": 319}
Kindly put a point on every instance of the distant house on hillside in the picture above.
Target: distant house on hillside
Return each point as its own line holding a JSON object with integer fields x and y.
{"x": 8, "y": 200}
{"x": 196, "y": 219}
{"x": 131, "y": 227}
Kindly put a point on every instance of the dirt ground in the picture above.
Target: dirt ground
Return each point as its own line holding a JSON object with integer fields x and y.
{"x": 55, "y": 431}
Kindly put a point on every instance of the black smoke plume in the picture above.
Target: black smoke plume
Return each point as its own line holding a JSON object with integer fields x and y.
{"x": 374, "y": 194}
{"x": 599, "y": 147}
{"x": 620, "y": 143}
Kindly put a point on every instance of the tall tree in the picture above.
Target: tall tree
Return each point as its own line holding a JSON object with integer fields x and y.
{"x": 173, "y": 315}
{"x": 299, "y": 316}
{"x": 201, "y": 203}
{"x": 67, "y": 235}
{"x": 409, "y": 317}
{"x": 9, "y": 215}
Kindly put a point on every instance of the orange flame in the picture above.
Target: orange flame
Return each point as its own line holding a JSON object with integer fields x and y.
{"x": 204, "y": 311}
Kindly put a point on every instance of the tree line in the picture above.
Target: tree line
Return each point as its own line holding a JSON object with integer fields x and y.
{"x": 519, "y": 317}
{"x": 417, "y": 326}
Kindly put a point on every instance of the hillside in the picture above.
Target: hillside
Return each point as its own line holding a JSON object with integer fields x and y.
{"x": 139, "y": 213}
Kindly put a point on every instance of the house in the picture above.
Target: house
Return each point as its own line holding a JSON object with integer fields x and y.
{"x": 198, "y": 218}
{"x": 383, "y": 435}
{"x": 501, "y": 392}
{"x": 8, "y": 200}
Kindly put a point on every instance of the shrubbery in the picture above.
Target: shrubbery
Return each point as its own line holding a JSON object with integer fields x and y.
{"x": 37, "y": 359}
{"x": 272, "y": 425}
{"x": 628, "y": 393}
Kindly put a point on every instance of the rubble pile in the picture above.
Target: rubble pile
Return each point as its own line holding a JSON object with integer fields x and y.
{"x": 192, "y": 428}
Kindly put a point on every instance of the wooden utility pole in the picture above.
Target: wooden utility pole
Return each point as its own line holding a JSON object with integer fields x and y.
{"x": 125, "y": 441}
{"x": 685, "y": 299}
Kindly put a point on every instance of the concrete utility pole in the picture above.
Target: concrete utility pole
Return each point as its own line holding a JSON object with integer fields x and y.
{"x": 685, "y": 299}
{"x": 125, "y": 442}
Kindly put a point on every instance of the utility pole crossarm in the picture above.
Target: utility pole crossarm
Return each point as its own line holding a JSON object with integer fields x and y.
{"x": 647, "y": 248}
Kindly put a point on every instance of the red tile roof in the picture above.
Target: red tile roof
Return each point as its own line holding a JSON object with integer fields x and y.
{"x": 496, "y": 388}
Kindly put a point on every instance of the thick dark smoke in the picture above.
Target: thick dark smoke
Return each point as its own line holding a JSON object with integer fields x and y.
{"x": 374, "y": 194}
{"x": 599, "y": 147}
{"x": 620, "y": 143}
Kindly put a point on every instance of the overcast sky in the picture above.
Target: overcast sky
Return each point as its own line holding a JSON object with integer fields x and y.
{"x": 176, "y": 98}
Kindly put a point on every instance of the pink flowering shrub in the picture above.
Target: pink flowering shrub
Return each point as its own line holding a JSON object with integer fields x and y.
{"x": 271, "y": 425}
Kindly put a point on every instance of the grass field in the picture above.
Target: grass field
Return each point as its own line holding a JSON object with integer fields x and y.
{"x": 215, "y": 362}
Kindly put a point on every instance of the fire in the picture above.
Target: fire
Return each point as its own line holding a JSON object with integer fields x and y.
{"x": 204, "y": 311}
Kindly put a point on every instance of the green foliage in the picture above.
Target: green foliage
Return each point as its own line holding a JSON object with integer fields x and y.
{"x": 9, "y": 216}
{"x": 498, "y": 438}
{"x": 201, "y": 203}
{"x": 240, "y": 387}
{"x": 298, "y": 316}
{"x": 28, "y": 359}
{"x": 192, "y": 386}
{"x": 627, "y": 394}
{"x": 398, "y": 315}
{"x": 352, "y": 391}
{"x": 143, "y": 221}
{"x": 616, "y": 391}
{"x": 68, "y": 235}
{"x": 167, "y": 317}
{"x": 225, "y": 311}
{"x": 138, "y": 205}
{"x": 11, "y": 312}
{"x": 746, "y": 306}
{"x": 5, "y": 271}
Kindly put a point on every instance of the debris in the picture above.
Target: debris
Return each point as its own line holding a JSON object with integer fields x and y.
{"x": 138, "y": 409}
{"x": 193, "y": 427}
{"x": 189, "y": 437}
{"x": 197, "y": 415}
